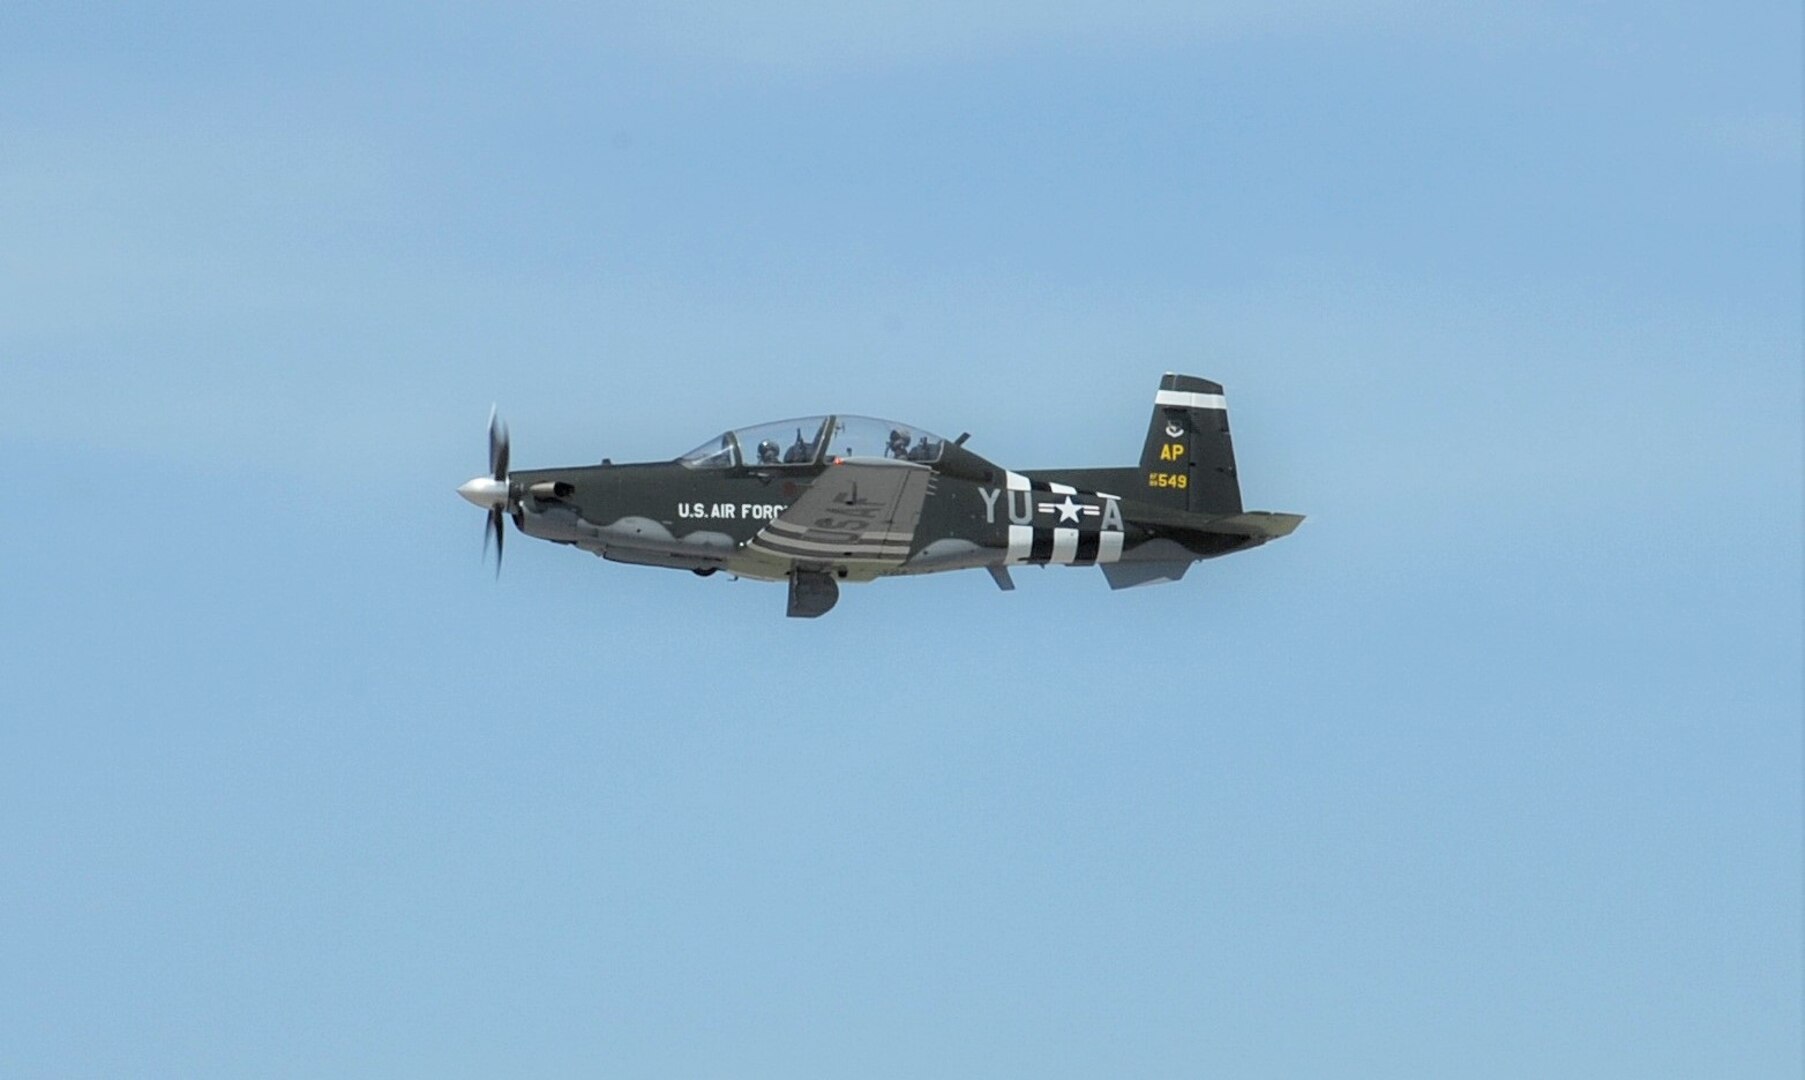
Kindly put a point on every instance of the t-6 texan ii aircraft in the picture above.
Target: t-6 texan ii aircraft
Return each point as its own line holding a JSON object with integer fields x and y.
{"x": 827, "y": 499}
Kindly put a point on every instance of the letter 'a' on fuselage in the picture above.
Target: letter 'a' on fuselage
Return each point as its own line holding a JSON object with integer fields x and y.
{"x": 1188, "y": 462}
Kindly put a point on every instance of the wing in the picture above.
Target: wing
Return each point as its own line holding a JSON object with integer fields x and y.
{"x": 859, "y": 511}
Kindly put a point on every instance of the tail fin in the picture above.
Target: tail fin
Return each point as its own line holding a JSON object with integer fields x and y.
{"x": 1189, "y": 460}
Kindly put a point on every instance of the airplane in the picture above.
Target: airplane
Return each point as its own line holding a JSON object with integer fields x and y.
{"x": 830, "y": 499}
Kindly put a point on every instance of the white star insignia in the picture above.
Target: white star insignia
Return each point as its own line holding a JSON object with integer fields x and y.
{"x": 1068, "y": 510}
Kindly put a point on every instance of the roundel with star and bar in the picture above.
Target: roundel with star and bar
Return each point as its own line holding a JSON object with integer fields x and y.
{"x": 1050, "y": 522}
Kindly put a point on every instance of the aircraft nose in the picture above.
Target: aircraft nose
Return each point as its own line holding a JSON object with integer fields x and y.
{"x": 485, "y": 491}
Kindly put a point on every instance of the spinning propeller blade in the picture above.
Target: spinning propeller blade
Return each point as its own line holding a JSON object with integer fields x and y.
{"x": 494, "y": 526}
{"x": 494, "y": 493}
{"x": 498, "y": 446}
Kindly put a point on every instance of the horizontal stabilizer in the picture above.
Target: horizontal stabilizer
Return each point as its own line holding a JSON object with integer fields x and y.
{"x": 1133, "y": 575}
{"x": 1260, "y": 523}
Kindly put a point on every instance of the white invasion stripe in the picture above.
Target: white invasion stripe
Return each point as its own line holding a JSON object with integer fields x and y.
{"x": 1186, "y": 400}
{"x": 1021, "y": 543}
{"x": 772, "y": 540}
{"x": 783, "y": 549}
{"x": 1061, "y": 489}
{"x": 772, "y": 543}
{"x": 1109, "y": 547}
{"x": 1016, "y": 481}
{"x": 791, "y": 530}
{"x": 1065, "y": 546}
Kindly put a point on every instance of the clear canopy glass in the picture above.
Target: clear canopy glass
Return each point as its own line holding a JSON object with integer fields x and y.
{"x": 800, "y": 442}
{"x": 868, "y": 437}
{"x": 785, "y": 442}
{"x": 718, "y": 453}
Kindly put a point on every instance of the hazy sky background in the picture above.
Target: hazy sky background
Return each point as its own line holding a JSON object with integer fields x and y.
{"x": 1491, "y": 770}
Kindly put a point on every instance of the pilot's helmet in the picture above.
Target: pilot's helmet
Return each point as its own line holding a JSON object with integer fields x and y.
{"x": 767, "y": 452}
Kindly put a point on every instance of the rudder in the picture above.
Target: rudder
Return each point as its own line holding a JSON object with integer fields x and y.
{"x": 1189, "y": 460}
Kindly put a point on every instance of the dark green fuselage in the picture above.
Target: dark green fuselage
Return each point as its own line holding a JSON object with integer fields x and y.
{"x": 816, "y": 517}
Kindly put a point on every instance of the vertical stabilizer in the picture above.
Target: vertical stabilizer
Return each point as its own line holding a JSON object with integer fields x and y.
{"x": 1189, "y": 460}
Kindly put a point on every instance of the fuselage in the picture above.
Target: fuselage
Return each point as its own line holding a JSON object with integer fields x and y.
{"x": 973, "y": 515}
{"x": 827, "y": 499}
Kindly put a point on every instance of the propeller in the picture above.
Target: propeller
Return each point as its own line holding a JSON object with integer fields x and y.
{"x": 498, "y": 445}
{"x": 494, "y": 493}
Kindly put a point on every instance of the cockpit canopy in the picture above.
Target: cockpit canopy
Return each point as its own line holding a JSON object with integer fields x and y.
{"x": 807, "y": 441}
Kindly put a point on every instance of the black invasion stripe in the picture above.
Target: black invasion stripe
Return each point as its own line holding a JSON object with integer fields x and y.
{"x": 1042, "y": 549}
{"x": 1041, "y": 486}
{"x": 1088, "y": 545}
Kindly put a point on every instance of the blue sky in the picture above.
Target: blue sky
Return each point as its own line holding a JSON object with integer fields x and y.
{"x": 1493, "y": 769}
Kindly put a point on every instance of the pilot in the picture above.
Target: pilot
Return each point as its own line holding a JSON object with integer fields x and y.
{"x": 767, "y": 452}
{"x": 799, "y": 454}
{"x": 899, "y": 444}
